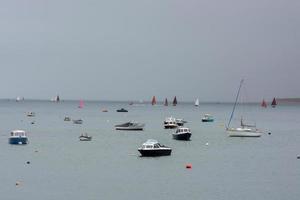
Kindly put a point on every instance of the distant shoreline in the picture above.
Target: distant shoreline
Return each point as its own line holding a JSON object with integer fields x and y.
{"x": 279, "y": 101}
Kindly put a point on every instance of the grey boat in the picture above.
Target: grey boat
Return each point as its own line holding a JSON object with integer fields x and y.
{"x": 130, "y": 126}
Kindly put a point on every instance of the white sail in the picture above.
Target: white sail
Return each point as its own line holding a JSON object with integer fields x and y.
{"x": 197, "y": 102}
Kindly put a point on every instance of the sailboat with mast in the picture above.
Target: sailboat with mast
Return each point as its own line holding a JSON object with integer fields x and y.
{"x": 197, "y": 102}
{"x": 263, "y": 103}
{"x": 274, "y": 103}
{"x": 175, "y": 101}
{"x": 166, "y": 102}
{"x": 244, "y": 130}
{"x": 81, "y": 104}
{"x": 153, "y": 102}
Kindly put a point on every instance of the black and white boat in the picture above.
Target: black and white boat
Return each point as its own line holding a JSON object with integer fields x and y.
{"x": 130, "y": 126}
{"x": 182, "y": 133}
{"x": 18, "y": 137}
{"x": 85, "y": 137}
{"x": 170, "y": 123}
{"x": 180, "y": 122}
{"x": 122, "y": 110}
{"x": 153, "y": 148}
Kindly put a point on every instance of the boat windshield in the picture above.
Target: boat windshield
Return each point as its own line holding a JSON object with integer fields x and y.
{"x": 17, "y": 133}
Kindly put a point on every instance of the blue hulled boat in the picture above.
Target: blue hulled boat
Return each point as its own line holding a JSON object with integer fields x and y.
{"x": 18, "y": 137}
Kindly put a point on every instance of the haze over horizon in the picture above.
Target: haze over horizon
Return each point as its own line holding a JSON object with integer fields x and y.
{"x": 132, "y": 50}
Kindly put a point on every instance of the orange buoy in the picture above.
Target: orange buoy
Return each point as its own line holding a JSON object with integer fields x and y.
{"x": 188, "y": 166}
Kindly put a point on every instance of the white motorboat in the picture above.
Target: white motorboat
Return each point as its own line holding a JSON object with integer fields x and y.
{"x": 153, "y": 148}
{"x": 182, "y": 133}
{"x": 170, "y": 123}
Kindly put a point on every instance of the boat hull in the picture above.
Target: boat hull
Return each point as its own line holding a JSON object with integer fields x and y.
{"x": 207, "y": 120}
{"x": 170, "y": 126}
{"x": 129, "y": 129}
{"x": 17, "y": 141}
{"x": 85, "y": 138}
{"x": 239, "y": 133}
{"x": 182, "y": 136}
{"x": 77, "y": 121}
{"x": 154, "y": 153}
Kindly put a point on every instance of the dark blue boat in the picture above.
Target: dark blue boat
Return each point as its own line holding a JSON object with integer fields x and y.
{"x": 18, "y": 137}
{"x": 122, "y": 110}
{"x": 182, "y": 133}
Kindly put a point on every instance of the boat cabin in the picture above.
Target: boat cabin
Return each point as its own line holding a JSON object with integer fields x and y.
{"x": 183, "y": 130}
{"x": 18, "y": 133}
{"x": 151, "y": 144}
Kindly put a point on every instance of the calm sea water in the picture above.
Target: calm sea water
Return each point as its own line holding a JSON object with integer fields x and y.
{"x": 109, "y": 167}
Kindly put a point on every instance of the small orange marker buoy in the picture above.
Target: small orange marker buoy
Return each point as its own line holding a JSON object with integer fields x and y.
{"x": 188, "y": 166}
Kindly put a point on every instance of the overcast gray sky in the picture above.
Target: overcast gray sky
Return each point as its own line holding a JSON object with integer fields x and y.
{"x": 134, "y": 49}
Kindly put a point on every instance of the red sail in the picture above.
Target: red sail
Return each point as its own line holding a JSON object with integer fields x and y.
{"x": 263, "y": 104}
{"x": 153, "y": 100}
{"x": 175, "y": 101}
{"x": 166, "y": 102}
{"x": 274, "y": 103}
{"x": 81, "y": 104}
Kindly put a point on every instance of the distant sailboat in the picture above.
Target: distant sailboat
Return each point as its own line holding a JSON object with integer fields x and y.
{"x": 274, "y": 103}
{"x": 166, "y": 102}
{"x": 197, "y": 102}
{"x": 263, "y": 104}
{"x": 153, "y": 102}
{"x": 81, "y": 104}
{"x": 57, "y": 99}
{"x": 175, "y": 101}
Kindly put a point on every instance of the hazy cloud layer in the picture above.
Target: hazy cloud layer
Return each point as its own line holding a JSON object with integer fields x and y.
{"x": 133, "y": 49}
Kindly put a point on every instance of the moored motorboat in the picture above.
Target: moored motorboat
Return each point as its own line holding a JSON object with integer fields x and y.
{"x": 130, "y": 126}
{"x": 18, "y": 137}
{"x": 85, "y": 137}
{"x": 207, "y": 118}
{"x": 77, "y": 121}
{"x": 170, "y": 123}
{"x": 122, "y": 110}
{"x": 182, "y": 133}
{"x": 180, "y": 122}
{"x": 30, "y": 114}
{"x": 153, "y": 148}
